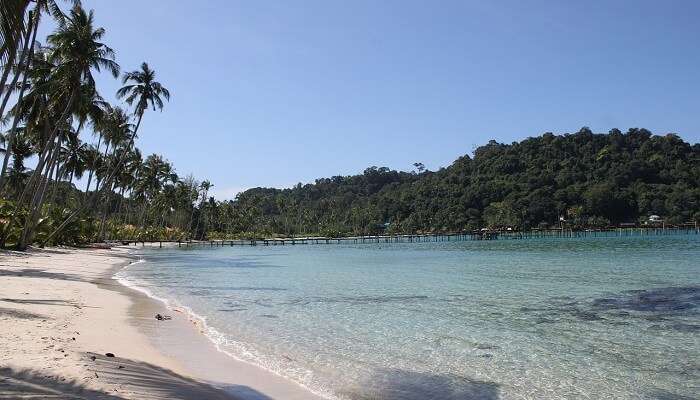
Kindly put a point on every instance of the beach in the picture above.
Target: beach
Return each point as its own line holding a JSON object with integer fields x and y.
{"x": 402, "y": 321}
{"x": 575, "y": 318}
{"x": 69, "y": 330}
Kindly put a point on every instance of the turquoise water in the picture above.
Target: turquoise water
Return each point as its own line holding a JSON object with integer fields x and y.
{"x": 519, "y": 319}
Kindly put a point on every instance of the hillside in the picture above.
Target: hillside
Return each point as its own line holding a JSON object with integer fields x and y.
{"x": 588, "y": 179}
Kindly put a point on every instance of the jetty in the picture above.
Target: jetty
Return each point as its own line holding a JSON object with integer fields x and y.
{"x": 484, "y": 234}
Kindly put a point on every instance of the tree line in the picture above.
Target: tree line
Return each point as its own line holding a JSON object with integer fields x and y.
{"x": 57, "y": 127}
{"x": 577, "y": 181}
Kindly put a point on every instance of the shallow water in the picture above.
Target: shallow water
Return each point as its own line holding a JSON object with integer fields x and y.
{"x": 522, "y": 319}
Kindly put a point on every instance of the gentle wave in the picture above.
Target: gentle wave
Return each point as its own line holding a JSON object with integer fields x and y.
{"x": 217, "y": 338}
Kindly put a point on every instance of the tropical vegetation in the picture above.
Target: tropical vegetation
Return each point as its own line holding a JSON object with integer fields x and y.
{"x": 58, "y": 130}
{"x": 573, "y": 181}
{"x": 57, "y": 127}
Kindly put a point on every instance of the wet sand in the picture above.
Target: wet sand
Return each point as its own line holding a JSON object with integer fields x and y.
{"x": 61, "y": 313}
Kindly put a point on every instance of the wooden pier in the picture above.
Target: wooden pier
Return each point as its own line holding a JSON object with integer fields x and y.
{"x": 423, "y": 238}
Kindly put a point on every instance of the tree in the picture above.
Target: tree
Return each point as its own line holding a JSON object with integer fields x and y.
{"x": 591, "y": 179}
{"x": 76, "y": 51}
{"x": 142, "y": 89}
{"x": 56, "y": 99}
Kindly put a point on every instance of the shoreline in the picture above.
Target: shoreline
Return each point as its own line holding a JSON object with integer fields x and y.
{"x": 183, "y": 338}
{"x": 62, "y": 311}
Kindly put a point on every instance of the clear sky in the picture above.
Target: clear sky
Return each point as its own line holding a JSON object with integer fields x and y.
{"x": 271, "y": 93}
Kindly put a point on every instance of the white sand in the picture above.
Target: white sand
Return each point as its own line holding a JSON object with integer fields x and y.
{"x": 60, "y": 308}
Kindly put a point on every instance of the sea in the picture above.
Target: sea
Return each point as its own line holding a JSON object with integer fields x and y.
{"x": 549, "y": 318}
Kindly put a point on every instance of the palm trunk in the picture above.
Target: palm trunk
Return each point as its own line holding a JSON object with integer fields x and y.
{"x": 24, "y": 70}
{"x": 127, "y": 208}
{"x": 108, "y": 195}
{"x": 199, "y": 219}
{"x": 31, "y": 32}
{"x": 54, "y": 179}
{"x": 45, "y": 179}
{"x": 76, "y": 212}
{"x": 6, "y": 71}
{"x": 143, "y": 215}
{"x": 37, "y": 202}
{"x": 119, "y": 202}
{"x": 60, "y": 168}
{"x": 99, "y": 178}
{"x": 12, "y": 51}
{"x": 45, "y": 152}
{"x": 189, "y": 224}
{"x": 87, "y": 187}
{"x": 28, "y": 188}
{"x": 92, "y": 171}
{"x": 26, "y": 233}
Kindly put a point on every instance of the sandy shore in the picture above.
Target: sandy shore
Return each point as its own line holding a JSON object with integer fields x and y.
{"x": 61, "y": 313}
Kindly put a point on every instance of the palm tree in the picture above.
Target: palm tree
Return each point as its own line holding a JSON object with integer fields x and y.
{"x": 16, "y": 31}
{"x": 73, "y": 157}
{"x": 114, "y": 128}
{"x": 12, "y": 24}
{"x": 144, "y": 90}
{"x": 129, "y": 176}
{"x": 76, "y": 51}
{"x": 3, "y": 143}
{"x": 93, "y": 161}
{"x": 68, "y": 142}
{"x": 21, "y": 148}
{"x": 204, "y": 188}
{"x": 89, "y": 106}
{"x": 22, "y": 66}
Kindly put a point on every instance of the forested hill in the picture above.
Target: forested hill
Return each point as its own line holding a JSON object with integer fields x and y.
{"x": 588, "y": 179}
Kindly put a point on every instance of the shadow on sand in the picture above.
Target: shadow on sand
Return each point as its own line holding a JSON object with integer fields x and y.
{"x": 39, "y": 273}
{"x": 20, "y": 314}
{"x": 126, "y": 379}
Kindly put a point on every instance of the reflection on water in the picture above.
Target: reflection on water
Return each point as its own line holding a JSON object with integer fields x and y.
{"x": 670, "y": 306}
{"x": 539, "y": 319}
{"x": 388, "y": 384}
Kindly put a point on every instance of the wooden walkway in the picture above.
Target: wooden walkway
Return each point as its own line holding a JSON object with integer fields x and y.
{"x": 447, "y": 237}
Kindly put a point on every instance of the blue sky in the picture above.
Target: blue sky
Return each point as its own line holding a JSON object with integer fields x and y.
{"x": 271, "y": 93}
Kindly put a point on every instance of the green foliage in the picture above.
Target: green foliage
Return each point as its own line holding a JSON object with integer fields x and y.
{"x": 586, "y": 179}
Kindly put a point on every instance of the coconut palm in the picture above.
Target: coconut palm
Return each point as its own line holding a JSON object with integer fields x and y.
{"x": 55, "y": 98}
{"x": 12, "y": 24}
{"x": 73, "y": 157}
{"x": 89, "y": 106}
{"x": 76, "y": 51}
{"x": 129, "y": 175}
{"x": 15, "y": 31}
{"x": 115, "y": 129}
{"x": 204, "y": 188}
{"x": 17, "y": 25}
{"x": 155, "y": 174}
{"x": 143, "y": 90}
{"x": 22, "y": 67}
{"x": 93, "y": 160}
{"x": 67, "y": 138}
{"x": 21, "y": 148}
